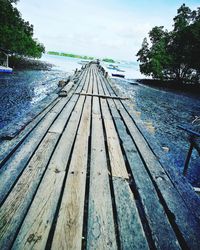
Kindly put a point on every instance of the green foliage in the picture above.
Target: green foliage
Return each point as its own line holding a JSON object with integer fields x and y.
{"x": 70, "y": 55}
{"x": 78, "y": 56}
{"x": 16, "y": 33}
{"x": 175, "y": 54}
{"x": 109, "y": 60}
{"x": 53, "y": 53}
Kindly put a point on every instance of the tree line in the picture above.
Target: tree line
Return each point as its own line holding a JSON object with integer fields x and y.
{"x": 16, "y": 34}
{"x": 175, "y": 54}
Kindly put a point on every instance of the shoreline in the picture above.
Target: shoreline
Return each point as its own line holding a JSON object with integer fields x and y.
{"x": 21, "y": 63}
{"x": 171, "y": 86}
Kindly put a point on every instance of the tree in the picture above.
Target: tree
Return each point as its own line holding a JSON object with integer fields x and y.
{"x": 175, "y": 54}
{"x": 16, "y": 33}
{"x": 143, "y": 55}
{"x": 154, "y": 60}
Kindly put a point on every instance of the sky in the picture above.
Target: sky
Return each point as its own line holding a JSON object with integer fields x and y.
{"x": 101, "y": 28}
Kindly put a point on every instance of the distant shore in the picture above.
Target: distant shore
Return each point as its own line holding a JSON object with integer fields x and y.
{"x": 55, "y": 53}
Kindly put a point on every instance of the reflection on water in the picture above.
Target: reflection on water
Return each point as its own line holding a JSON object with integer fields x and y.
{"x": 161, "y": 113}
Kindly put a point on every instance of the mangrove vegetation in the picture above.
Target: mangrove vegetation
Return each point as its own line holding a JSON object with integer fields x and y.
{"x": 17, "y": 34}
{"x": 173, "y": 55}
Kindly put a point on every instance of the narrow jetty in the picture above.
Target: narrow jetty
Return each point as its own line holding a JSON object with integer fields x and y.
{"x": 82, "y": 176}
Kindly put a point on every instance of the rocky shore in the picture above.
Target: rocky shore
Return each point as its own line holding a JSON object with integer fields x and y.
{"x": 172, "y": 86}
{"x": 23, "y": 63}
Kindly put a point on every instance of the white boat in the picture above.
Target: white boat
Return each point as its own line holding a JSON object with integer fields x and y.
{"x": 5, "y": 68}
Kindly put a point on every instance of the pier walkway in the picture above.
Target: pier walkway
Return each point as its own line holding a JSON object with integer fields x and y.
{"x": 82, "y": 176}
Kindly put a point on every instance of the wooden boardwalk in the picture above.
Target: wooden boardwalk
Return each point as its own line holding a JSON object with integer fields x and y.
{"x": 82, "y": 176}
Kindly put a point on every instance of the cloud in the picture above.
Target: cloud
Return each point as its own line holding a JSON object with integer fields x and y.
{"x": 112, "y": 28}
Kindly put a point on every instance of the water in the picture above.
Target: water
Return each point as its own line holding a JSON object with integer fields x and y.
{"x": 161, "y": 112}
{"x": 23, "y": 90}
{"x": 131, "y": 69}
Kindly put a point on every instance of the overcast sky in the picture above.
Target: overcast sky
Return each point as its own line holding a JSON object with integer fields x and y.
{"x": 103, "y": 28}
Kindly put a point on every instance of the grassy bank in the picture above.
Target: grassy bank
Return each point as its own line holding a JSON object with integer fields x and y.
{"x": 70, "y": 55}
{"x": 109, "y": 60}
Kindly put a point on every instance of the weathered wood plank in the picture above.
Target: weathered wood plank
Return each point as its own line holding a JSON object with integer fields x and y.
{"x": 102, "y": 96}
{"x": 191, "y": 199}
{"x": 172, "y": 198}
{"x": 165, "y": 184}
{"x": 9, "y": 146}
{"x": 68, "y": 87}
{"x": 60, "y": 122}
{"x": 131, "y": 231}
{"x": 116, "y": 157}
{"x": 101, "y": 231}
{"x": 15, "y": 165}
{"x": 13, "y": 210}
{"x": 161, "y": 229}
{"x": 69, "y": 227}
{"x": 95, "y": 88}
{"x": 57, "y": 194}
{"x": 36, "y": 226}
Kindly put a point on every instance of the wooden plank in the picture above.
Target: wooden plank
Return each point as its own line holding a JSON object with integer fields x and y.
{"x": 180, "y": 182}
{"x": 161, "y": 229}
{"x": 172, "y": 198}
{"x": 131, "y": 231}
{"x": 116, "y": 157}
{"x": 14, "y": 209}
{"x": 15, "y": 165}
{"x": 68, "y": 87}
{"x": 85, "y": 88}
{"x": 91, "y": 80}
{"x": 101, "y": 231}
{"x": 69, "y": 227}
{"x": 9, "y": 146}
{"x": 101, "y": 91}
{"x": 162, "y": 232}
{"x": 167, "y": 188}
{"x": 103, "y": 96}
{"x": 95, "y": 88}
{"x": 82, "y": 81}
{"x": 60, "y": 122}
{"x": 37, "y": 224}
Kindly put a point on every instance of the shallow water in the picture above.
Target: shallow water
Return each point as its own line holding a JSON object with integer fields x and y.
{"x": 23, "y": 90}
{"x": 161, "y": 113}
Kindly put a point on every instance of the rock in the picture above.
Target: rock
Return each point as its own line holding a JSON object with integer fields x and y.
{"x": 165, "y": 149}
{"x": 62, "y": 93}
{"x": 61, "y": 83}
